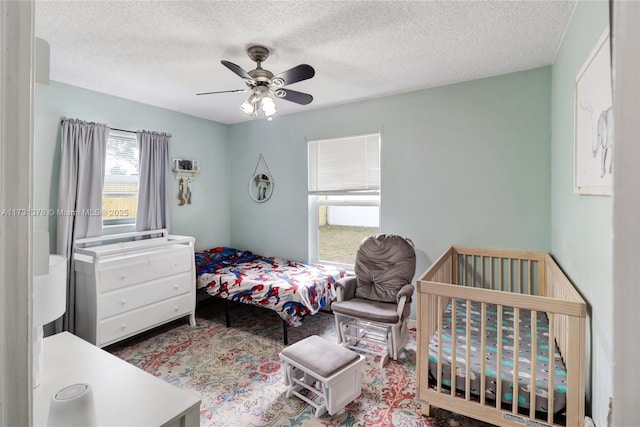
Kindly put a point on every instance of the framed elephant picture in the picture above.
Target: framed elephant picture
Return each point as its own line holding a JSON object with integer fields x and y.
{"x": 593, "y": 122}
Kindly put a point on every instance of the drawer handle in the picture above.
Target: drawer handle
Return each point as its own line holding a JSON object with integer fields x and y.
{"x": 123, "y": 277}
{"x": 175, "y": 308}
{"x": 123, "y": 327}
{"x": 176, "y": 287}
{"x": 123, "y": 302}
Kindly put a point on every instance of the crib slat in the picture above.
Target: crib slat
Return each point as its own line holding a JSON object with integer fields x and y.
{"x": 516, "y": 360}
{"x": 534, "y": 364}
{"x": 482, "y": 272}
{"x": 464, "y": 270}
{"x": 483, "y": 352}
{"x": 499, "y": 360}
{"x": 454, "y": 346}
{"x": 551, "y": 353}
{"x": 453, "y": 267}
{"x": 529, "y": 277}
{"x": 518, "y": 276}
{"x": 472, "y": 271}
{"x": 509, "y": 266}
{"x": 440, "y": 343}
{"x": 427, "y": 316}
{"x": 542, "y": 286}
{"x": 491, "y": 272}
{"x": 468, "y": 355}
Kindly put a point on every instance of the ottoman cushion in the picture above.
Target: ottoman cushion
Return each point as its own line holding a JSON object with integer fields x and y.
{"x": 320, "y": 355}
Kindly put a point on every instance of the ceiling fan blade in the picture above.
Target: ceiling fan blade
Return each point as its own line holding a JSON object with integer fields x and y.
{"x": 237, "y": 69}
{"x": 294, "y": 96}
{"x": 294, "y": 75}
{"x": 222, "y": 91}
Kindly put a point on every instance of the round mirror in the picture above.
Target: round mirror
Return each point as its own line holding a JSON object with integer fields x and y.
{"x": 261, "y": 187}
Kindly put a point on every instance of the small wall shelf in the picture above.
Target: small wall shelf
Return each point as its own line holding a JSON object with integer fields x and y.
{"x": 186, "y": 169}
{"x": 181, "y": 173}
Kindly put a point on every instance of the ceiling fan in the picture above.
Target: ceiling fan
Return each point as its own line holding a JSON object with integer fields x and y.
{"x": 264, "y": 84}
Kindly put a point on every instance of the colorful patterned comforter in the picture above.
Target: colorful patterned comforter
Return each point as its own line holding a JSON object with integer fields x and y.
{"x": 292, "y": 289}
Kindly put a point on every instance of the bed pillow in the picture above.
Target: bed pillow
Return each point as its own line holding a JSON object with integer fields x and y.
{"x": 210, "y": 260}
{"x": 384, "y": 264}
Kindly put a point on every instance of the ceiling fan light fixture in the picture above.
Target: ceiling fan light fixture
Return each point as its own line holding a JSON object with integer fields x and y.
{"x": 268, "y": 106}
{"x": 248, "y": 108}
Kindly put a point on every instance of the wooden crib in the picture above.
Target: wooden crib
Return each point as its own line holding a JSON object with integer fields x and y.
{"x": 530, "y": 289}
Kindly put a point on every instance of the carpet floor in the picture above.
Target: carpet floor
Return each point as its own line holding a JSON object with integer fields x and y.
{"x": 237, "y": 374}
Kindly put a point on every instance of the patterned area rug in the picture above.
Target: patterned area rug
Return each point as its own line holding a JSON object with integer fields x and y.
{"x": 237, "y": 374}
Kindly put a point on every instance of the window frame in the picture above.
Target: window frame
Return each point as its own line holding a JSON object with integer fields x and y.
{"x": 315, "y": 201}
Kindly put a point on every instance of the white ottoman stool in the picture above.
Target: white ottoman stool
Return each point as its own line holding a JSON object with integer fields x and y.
{"x": 329, "y": 372}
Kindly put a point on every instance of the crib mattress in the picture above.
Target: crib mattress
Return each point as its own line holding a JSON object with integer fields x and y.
{"x": 541, "y": 353}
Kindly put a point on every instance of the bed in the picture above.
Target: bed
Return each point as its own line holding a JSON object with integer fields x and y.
{"x": 290, "y": 288}
{"x": 501, "y": 338}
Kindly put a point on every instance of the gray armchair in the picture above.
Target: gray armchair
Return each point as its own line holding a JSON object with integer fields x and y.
{"x": 373, "y": 307}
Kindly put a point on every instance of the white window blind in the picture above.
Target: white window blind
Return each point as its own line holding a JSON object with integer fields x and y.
{"x": 345, "y": 165}
{"x": 121, "y": 165}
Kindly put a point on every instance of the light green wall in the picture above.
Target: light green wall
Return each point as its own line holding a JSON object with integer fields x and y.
{"x": 461, "y": 164}
{"x": 207, "y": 219}
{"x": 581, "y": 226}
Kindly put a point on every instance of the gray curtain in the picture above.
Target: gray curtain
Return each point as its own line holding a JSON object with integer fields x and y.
{"x": 154, "y": 193}
{"x": 84, "y": 147}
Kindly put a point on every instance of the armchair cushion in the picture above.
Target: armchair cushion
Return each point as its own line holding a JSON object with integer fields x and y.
{"x": 375, "y": 311}
{"x": 384, "y": 264}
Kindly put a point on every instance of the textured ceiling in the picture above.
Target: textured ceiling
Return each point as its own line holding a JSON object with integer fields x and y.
{"x": 164, "y": 52}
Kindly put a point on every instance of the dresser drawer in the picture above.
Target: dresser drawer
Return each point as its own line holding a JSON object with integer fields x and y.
{"x": 123, "y": 300}
{"x": 138, "y": 268}
{"x": 130, "y": 323}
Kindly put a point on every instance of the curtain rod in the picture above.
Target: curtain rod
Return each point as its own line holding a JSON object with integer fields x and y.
{"x": 123, "y": 130}
{"x": 120, "y": 130}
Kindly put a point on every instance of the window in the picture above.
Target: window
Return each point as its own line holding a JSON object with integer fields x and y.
{"x": 121, "y": 173}
{"x": 344, "y": 196}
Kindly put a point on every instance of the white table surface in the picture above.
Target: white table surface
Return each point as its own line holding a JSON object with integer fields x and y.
{"x": 124, "y": 395}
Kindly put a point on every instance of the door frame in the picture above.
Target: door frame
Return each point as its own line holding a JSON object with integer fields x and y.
{"x": 16, "y": 192}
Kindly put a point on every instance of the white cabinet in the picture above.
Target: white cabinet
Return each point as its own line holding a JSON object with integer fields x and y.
{"x": 123, "y": 395}
{"x": 127, "y": 287}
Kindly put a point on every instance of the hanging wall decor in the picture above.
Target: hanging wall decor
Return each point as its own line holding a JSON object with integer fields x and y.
{"x": 181, "y": 192}
{"x": 261, "y": 182}
{"x": 593, "y": 144}
{"x": 185, "y": 172}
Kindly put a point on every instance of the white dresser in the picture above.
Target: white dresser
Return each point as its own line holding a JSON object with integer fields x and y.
{"x": 127, "y": 287}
